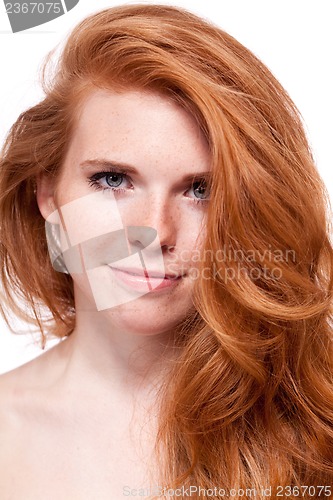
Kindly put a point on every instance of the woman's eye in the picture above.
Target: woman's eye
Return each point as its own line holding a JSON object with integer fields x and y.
{"x": 114, "y": 179}
{"x": 108, "y": 180}
{"x": 200, "y": 190}
{"x": 119, "y": 181}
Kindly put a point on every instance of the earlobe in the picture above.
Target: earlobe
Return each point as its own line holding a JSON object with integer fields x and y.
{"x": 45, "y": 187}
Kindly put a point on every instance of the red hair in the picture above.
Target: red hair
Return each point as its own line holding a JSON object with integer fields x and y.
{"x": 249, "y": 404}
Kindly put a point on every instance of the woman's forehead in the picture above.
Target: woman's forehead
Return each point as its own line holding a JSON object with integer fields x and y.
{"x": 138, "y": 128}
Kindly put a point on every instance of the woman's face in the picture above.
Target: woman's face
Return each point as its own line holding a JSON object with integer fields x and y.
{"x": 131, "y": 195}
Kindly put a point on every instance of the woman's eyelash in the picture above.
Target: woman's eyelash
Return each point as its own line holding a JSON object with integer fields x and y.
{"x": 95, "y": 182}
{"x": 201, "y": 184}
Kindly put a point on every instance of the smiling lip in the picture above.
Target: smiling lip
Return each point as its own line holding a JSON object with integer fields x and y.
{"x": 136, "y": 279}
{"x": 147, "y": 273}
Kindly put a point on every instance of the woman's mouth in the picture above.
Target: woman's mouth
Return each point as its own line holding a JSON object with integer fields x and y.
{"x": 145, "y": 281}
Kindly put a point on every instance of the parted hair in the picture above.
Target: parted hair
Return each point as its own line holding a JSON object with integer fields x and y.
{"x": 249, "y": 403}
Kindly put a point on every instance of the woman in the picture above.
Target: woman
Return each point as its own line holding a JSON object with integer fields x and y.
{"x": 162, "y": 199}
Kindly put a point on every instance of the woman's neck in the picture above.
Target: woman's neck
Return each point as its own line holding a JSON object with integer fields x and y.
{"x": 107, "y": 360}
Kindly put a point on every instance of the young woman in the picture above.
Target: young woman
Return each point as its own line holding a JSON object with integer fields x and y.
{"x": 161, "y": 214}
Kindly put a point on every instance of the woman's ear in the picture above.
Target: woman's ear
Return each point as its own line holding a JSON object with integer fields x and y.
{"x": 45, "y": 188}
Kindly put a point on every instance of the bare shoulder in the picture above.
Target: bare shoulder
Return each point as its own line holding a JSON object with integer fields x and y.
{"x": 14, "y": 387}
{"x": 26, "y": 401}
{"x": 46, "y": 436}
{"x": 24, "y": 397}
{"x": 31, "y": 374}
{"x": 8, "y": 390}
{"x": 20, "y": 387}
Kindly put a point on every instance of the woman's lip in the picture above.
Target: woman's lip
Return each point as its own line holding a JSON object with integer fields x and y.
{"x": 147, "y": 273}
{"x": 142, "y": 283}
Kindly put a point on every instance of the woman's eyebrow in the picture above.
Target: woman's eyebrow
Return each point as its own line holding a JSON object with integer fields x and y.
{"x": 129, "y": 169}
{"x": 108, "y": 164}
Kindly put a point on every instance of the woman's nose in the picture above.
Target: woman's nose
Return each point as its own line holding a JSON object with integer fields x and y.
{"x": 154, "y": 217}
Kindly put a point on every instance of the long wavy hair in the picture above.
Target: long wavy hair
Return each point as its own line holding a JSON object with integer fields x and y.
{"x": 249, "y": 403}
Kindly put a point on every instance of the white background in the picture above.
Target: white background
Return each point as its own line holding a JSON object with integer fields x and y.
{"x": 294, "y": 39}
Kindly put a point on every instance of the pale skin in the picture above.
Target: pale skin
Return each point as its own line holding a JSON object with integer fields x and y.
{"x": 79, "y": 421}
